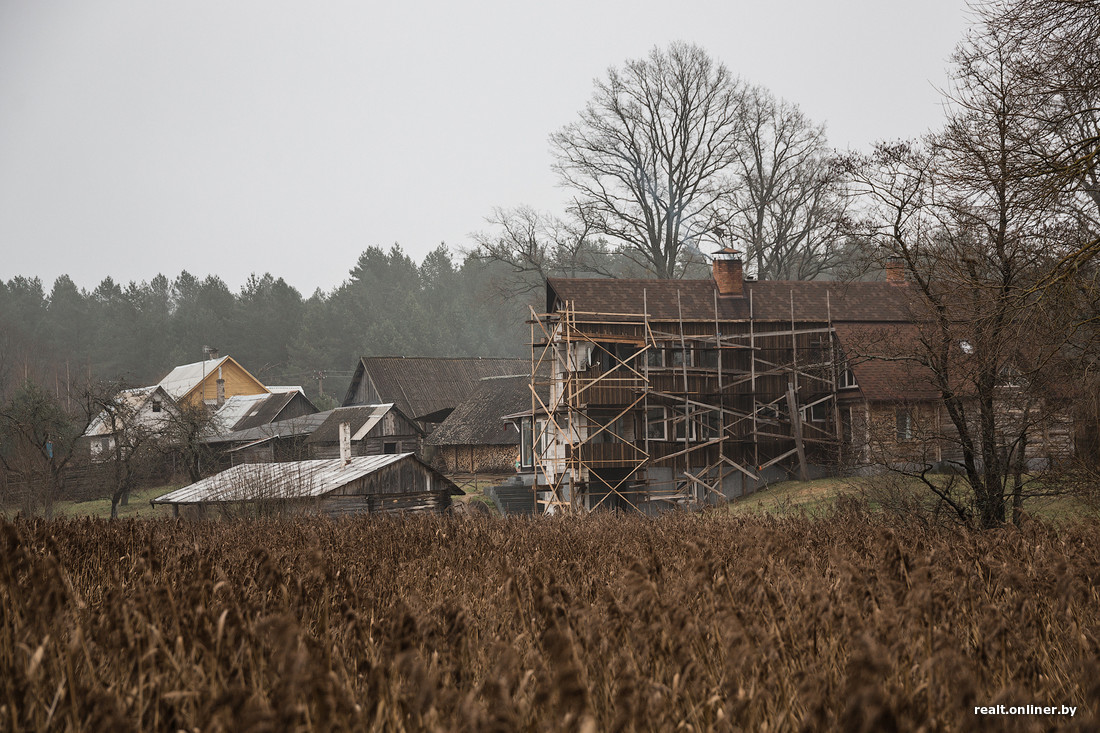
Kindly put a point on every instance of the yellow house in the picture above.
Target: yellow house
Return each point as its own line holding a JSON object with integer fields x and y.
{"x": 210, "y": 382}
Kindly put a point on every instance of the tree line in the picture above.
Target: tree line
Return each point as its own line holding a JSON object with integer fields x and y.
{"x": 447, "y": 305}
{"x": 994, "y": 217}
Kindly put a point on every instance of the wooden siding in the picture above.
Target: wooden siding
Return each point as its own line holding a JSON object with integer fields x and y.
{"x": 237, "y": 382}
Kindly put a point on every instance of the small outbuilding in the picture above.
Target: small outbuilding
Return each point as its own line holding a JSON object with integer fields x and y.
{"x": 333, "y": 487}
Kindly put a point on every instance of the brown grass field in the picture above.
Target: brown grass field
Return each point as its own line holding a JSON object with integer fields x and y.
{"x": 602, "y": 623}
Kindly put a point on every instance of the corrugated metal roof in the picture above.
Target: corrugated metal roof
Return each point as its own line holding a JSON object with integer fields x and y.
{"x": 422, "y": 386}
{"x": 294, "y": 480}
{"x": 291, "y": 427}
{"x": 185, "y": 378}
{"x": 236, "y": 408}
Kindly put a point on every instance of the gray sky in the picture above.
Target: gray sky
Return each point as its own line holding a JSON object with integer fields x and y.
{"x": 234, "y": 136}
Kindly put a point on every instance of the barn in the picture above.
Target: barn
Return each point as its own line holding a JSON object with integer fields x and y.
{"x": 333, "y": 487}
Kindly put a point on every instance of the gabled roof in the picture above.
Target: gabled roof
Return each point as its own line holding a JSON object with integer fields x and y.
{"x": 361, "y": 418}
{"x": 182, "y": 380}
{"x": 132, "y": 400}
{"x": 290, "y": 480}
{"x": 294, "y": 427}
{"x": 769, "y": 300}
{"x": 241, "y": 412}
{"x": 479, "y": 419}
{"x": 423, "y": 386}
{"x": 883, "y": 361}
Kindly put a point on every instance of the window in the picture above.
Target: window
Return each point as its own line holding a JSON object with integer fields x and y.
{"x": 816, "y": 413}
{"x": 904, "y": 419}
{"x": 706, "y": 358}
{"x": 847, "y": 377}
{"x": 156, "y": 405}
{"x": 526, "y": 444}
{"x": 682, "y": 424}
{"x": 710, "y": 425}
{"x": 615, "y": 430}
{"x": 655, "y": 357}
{"x": 677, "y": 357}
{"x": 656, "y": 428}
{"x": 390, "y": 447}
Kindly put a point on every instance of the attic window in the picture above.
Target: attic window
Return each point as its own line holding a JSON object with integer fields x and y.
{"x": 156, "y": 405}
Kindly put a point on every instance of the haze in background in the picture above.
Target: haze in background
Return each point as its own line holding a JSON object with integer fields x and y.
{"x": 251, "y": 136}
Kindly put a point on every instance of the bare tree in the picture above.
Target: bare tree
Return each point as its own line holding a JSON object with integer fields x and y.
{"x": 186, "y": 433}
{"x": 787, "y": 199}
{"x": 39, "y": 441}
{"x": 649, "y": 156}
{"x": 133, "y": 442}
{"x": 536, "y": 245}
{"x": 977, "y": 233}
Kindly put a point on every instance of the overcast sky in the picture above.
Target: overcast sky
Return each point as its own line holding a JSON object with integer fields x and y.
{"x": 234, "y": 136}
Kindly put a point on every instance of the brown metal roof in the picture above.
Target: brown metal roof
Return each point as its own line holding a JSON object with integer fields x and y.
{"x": 421, "y": 386}
{"x": 771, "y": 300}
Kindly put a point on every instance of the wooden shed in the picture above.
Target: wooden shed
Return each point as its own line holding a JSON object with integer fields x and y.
{"x": 334, "y": 487}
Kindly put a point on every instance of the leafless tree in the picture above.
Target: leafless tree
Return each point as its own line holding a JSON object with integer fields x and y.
{"x": 39, "y": 441}
{"x": 979, "y": 234}
{"x": 650, "y": 154}
{"x": 186, "y": 434}
{"x": 787, "y": 198}
{"x": 133, "y": 442}
{"x": 536, "y": 245}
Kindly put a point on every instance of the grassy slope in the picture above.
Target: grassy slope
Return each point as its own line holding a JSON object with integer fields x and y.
{"x": 817, "y": 497}
{"x": 138, "y": 506}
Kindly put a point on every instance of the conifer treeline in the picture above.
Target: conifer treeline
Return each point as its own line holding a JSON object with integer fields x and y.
{"x": 445, "y": 306}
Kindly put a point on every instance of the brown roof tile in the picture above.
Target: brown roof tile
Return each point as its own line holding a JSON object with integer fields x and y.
{"x": 770, "y": 300}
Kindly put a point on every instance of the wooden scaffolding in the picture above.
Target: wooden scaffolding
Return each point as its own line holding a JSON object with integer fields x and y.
{"x": 633, "y": 412}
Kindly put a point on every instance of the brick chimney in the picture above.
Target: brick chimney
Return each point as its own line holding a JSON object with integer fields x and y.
{"x": 728, "y": 275}
{"x": 895, "y": 270}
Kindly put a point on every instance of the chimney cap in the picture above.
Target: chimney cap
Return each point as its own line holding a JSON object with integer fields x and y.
{"x": 727, "y": 253}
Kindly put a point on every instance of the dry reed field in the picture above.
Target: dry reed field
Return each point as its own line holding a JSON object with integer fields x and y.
{"x": 601, "y": 623}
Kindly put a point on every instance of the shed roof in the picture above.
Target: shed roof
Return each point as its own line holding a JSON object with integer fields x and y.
{"x": 292, "y": 480}
{"x": 422, "y": 386}
{"x": 479, "y": 419}
{"x": 769, "y": 300}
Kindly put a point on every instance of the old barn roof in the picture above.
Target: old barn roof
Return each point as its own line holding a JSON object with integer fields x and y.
{"x": 241, "y": 412}
{"x": 293, "y": 480}
{"x": 425, "y": 386}
{"x": 361, "y": 418}
{"x": 771, "y": 300}
{"x": 289, "y": 428}
{"x": 478, "y": 420}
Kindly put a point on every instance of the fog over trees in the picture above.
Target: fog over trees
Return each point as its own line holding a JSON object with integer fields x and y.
{"x": 444, "y": 306}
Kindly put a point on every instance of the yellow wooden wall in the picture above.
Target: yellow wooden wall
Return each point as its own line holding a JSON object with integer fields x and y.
{"x": 237, "y": 382}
